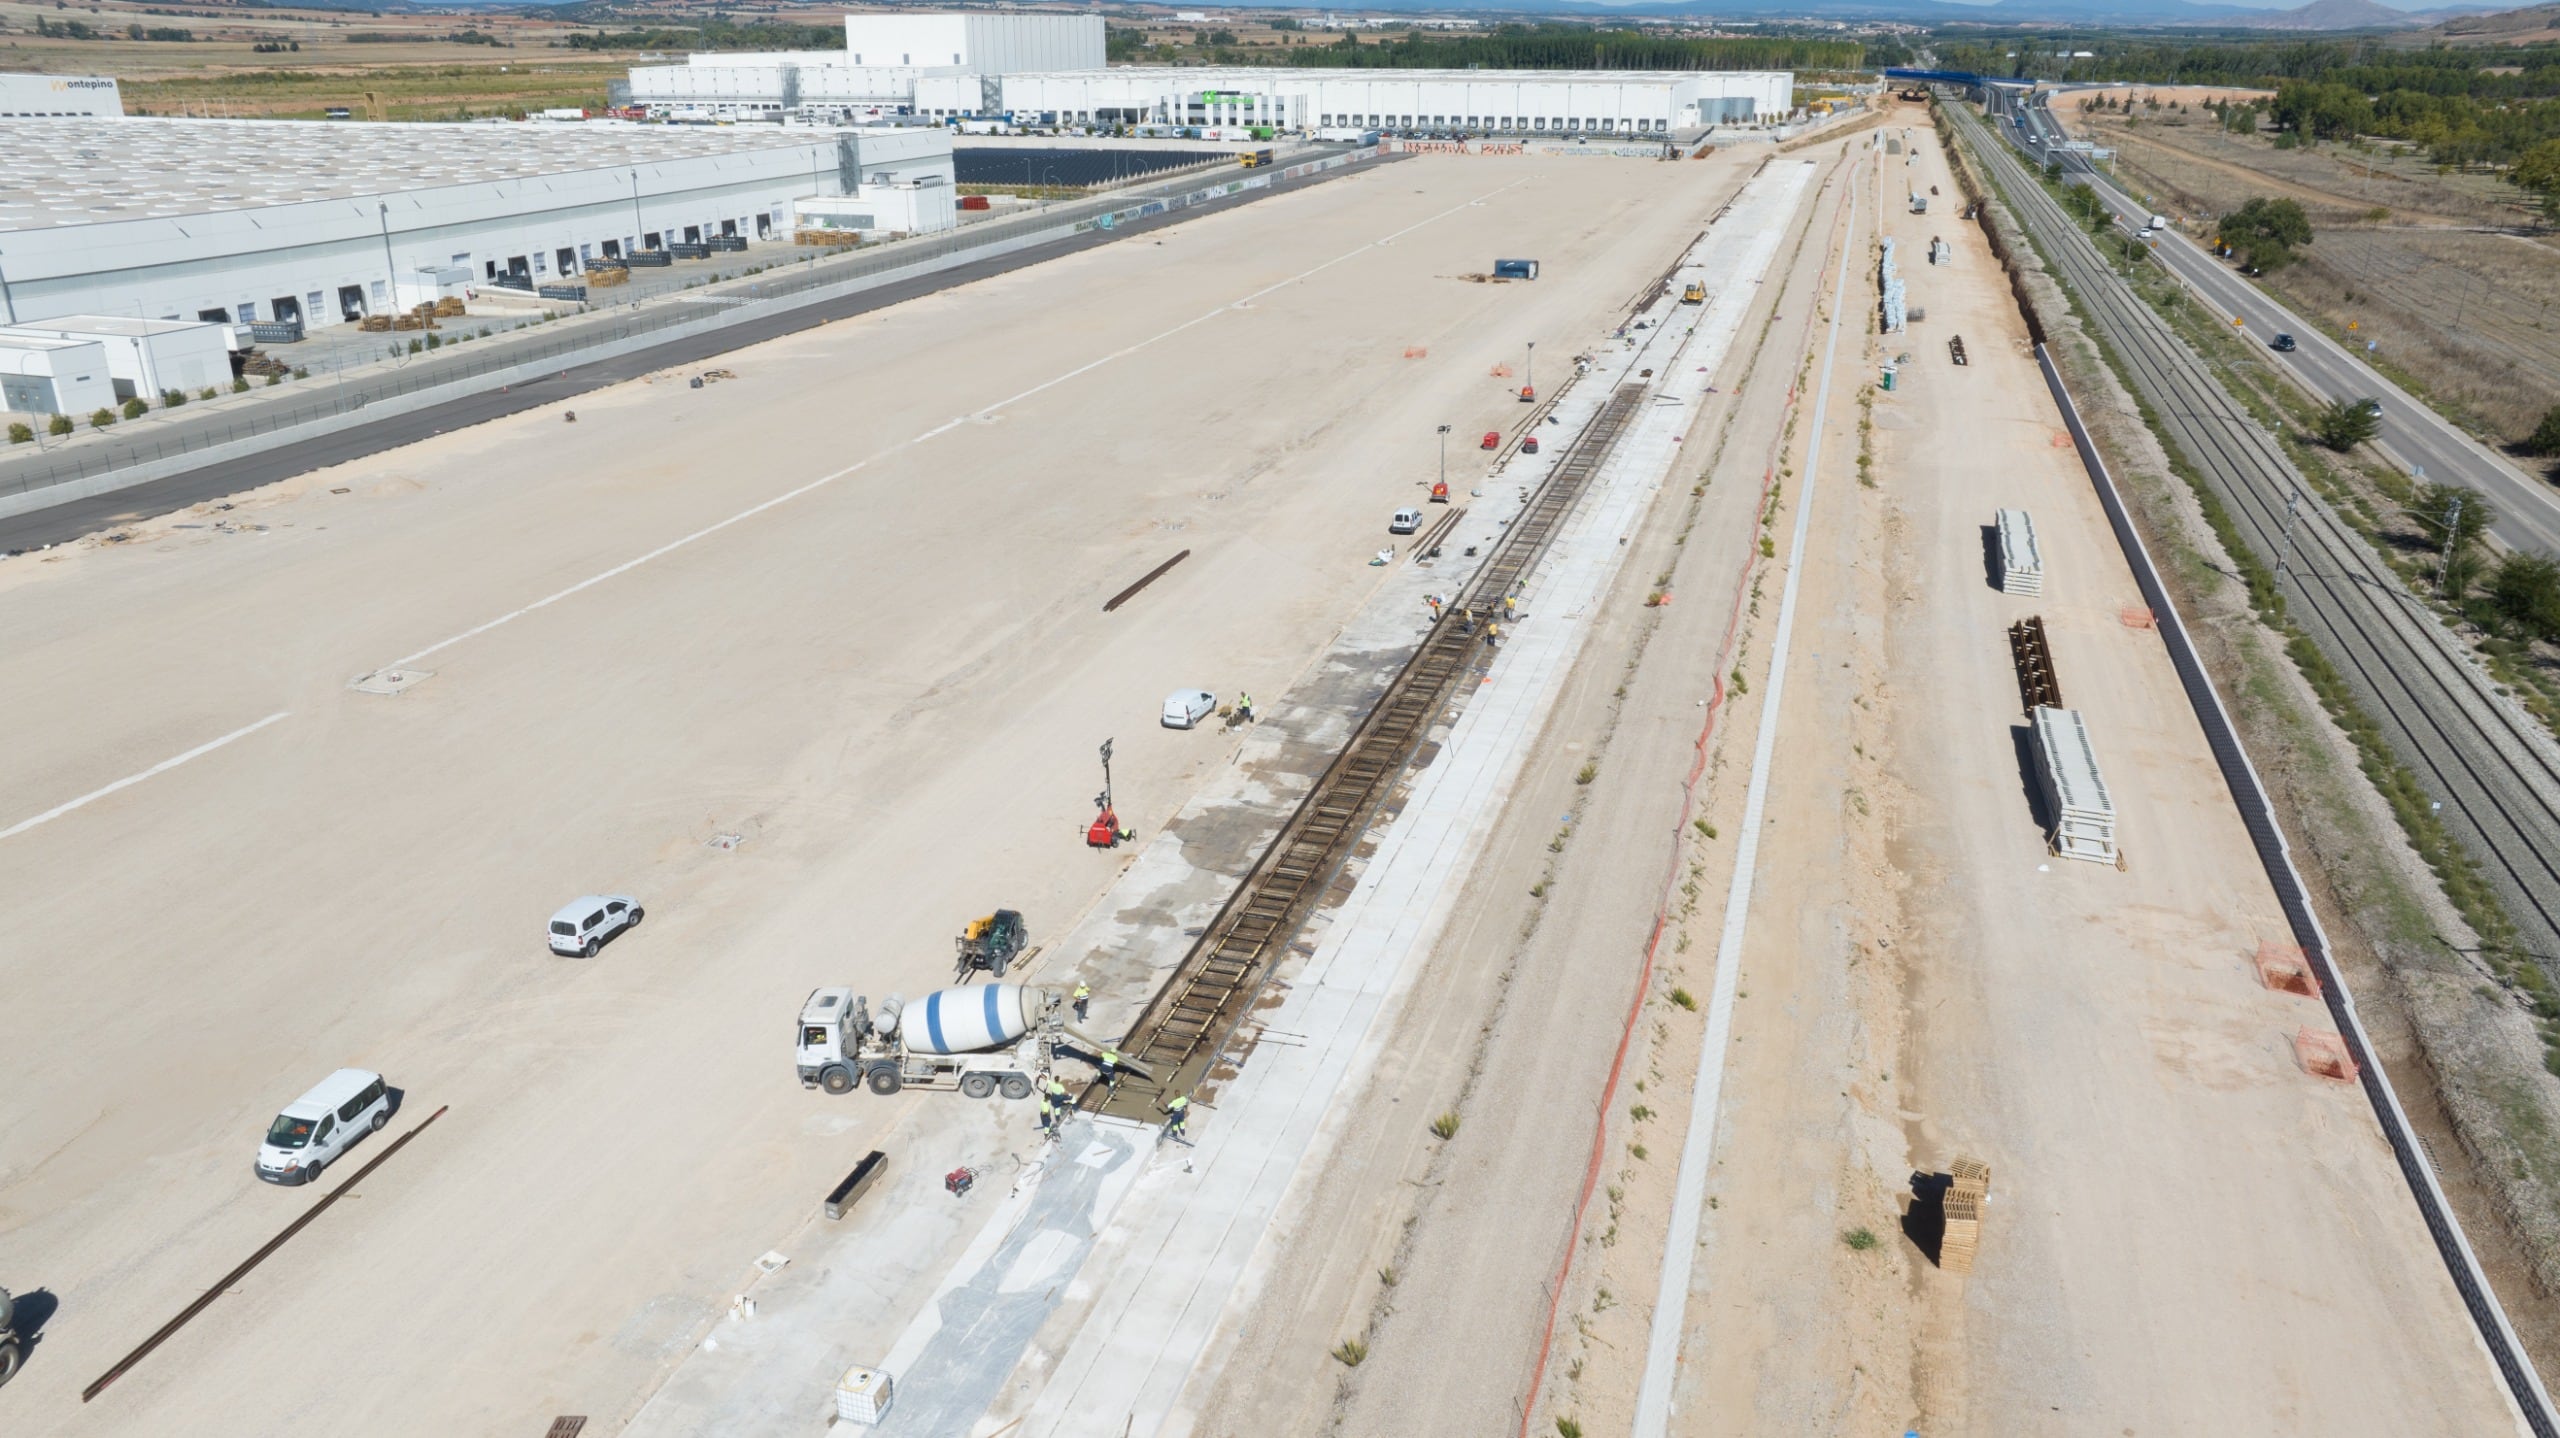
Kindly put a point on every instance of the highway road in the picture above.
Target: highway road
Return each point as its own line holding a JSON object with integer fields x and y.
{"x": 2413, "y": 434}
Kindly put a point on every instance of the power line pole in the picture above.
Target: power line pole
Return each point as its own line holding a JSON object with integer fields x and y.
{"x": 2284, "y": 561}
{"x": 2452, "y": 536}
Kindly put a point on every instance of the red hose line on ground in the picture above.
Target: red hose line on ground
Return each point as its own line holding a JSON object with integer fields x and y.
{"x": 1652, "y": 947}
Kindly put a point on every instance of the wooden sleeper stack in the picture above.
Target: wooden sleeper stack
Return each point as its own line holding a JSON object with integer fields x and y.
{"x": 1963, "y": 1205}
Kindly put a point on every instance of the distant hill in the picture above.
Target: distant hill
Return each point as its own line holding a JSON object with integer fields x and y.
{"x": 2327, "y": 15}
{"x": 2504, "y": 27}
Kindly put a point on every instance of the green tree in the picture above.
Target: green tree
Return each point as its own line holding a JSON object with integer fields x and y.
{"x": 2346, "y": 424}
{"x": 2538, "y": 170}
{"x": 2453, "y": 519}
{"x": 2526, "y": 589}
{"x": 2264, "y": 233}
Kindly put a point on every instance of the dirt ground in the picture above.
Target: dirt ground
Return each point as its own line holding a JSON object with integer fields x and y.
{"x": 2187, "y": 1233}
{"x": 888, "y": 686}
{"x": 1443, "y": 1253}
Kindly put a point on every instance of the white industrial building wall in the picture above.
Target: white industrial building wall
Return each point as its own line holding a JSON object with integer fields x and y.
{"x": 989, "y": 44}
{"x": 1515, "y": 100}
{"x": 45, "y": 96}
{"x": 226, "y": 260}
{"x": 40, "y": 376}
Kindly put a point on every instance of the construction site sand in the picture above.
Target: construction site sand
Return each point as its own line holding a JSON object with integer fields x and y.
{"x": 889, "y": 688}
{"x": 1439, "y": 1253}
{"x": 2186, "y": 1233}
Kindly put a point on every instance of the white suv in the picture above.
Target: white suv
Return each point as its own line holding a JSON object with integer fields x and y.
{"x": 582, "y": 925}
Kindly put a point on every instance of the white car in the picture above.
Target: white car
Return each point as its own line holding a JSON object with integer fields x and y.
{"x": 1405, "y": 521}
{"x": 583, "y": 924}
{"x": 322, "y": 1124}
{"x": 1185, "y": 708}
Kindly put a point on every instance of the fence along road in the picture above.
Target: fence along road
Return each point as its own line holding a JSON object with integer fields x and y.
{"x": 2498, "y": 778}
{"x": 2495, "y": 772}
{"x": 458, "y": 386}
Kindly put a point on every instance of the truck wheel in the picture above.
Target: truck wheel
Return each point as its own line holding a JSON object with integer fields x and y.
{"x": 884, "y": 1081}
{"x": 836, "y": 1080}
{"x": 8, "y": 1362}
{"x": 1015, "y": 1086}
{"x": 977, "y": 1085}
{"x": 589, "y": 951}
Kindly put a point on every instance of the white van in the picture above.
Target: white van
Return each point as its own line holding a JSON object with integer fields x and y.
{"x": 323, "y": 1124}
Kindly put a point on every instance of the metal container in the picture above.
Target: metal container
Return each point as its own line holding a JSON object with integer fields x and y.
{"x": 973, "y": 1019}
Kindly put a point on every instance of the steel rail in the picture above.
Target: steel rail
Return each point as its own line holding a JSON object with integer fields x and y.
{"x": 1210, "y": 990}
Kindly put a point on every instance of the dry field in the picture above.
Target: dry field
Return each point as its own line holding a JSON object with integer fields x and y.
{"x": 411, "y": 62}
{"x": 2459, "y": 302}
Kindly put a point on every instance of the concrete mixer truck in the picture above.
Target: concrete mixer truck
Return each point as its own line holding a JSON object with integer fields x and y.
{"x": 982, "y": 1040}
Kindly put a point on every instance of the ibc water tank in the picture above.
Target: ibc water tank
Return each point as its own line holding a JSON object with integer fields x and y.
{"x": 962, "y": 1021}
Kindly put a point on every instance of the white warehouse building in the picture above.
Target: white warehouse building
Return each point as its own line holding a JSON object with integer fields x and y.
{"x": 1527, "y": 102}
{"x": 1050, "y": 69}
{"x": 247, "y": 221}
{"x": 59, "y": 97}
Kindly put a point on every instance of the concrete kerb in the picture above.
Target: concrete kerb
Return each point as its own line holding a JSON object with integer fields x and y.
{"x": 2528, "y": 1400}
{"x": 735, "y": 311}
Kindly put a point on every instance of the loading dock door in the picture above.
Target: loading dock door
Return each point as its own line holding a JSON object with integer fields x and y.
{"x": 566, "y": 260}
{"x": 351, "y": 302}
{"x": 288, "y": 310}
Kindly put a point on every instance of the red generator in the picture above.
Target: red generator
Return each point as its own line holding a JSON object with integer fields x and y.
{"x": 1529, "y": 445}
{"x": 1493, "y": 439}
{"x": 1104, "y": 832}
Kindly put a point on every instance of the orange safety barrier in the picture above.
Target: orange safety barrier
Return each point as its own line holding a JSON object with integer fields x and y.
{"x": 2283, "y": 968}
{"x": 2136, "y": 616}
{"x": 2324, "y": 1056}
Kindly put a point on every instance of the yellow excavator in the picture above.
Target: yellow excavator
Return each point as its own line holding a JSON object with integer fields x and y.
{"x": 1696, "y": 294}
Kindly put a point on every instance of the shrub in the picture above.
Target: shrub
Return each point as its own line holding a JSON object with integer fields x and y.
{"x": 2526, "y": 589}
{"x": 1860, "y": 1239}
{"x": 1685, "y": 999}
{"x": 239, "y": 384}
{"x": 301, "y": 373}
{"x": 21, "y": 434}
{"x": 274, "y": 379}
{"x": 2545, "y": 438}
{"x": 208, "y": 392}
{"x": 2346, "y": 424}
{"x": 1350, "y": 1352}
{"x": 136, "y": 407}
{"x": 101, "y": 418}
{"x": 59, "y": 424}
{"x": 416, "y": 345}
{"x": 1446, "y": 1125}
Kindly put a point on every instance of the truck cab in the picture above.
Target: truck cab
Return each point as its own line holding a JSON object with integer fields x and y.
{"x": 829, "y": 1039}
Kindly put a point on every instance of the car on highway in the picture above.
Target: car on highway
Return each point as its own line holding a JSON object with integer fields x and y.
{"x": 1404, "y": 521}
{"x": 2282, "y": 344}
{"x": 323, "y": 1124}
{"x": 1185, "y": 708}
{"x": 584, "y": 924}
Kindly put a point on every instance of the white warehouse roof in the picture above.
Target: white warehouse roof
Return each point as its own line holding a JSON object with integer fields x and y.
{"x": 86, "y": 172}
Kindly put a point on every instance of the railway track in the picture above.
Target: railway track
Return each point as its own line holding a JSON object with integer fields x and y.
{"x": 2494, "y": 773}
{"x": 1178, "y": 1035}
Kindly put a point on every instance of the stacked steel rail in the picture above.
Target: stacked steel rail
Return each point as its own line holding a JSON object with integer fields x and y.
{"x": 1178, "y": 1035}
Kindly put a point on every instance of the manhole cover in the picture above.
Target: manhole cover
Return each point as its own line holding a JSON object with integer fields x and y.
{"x": 389, "y": 681}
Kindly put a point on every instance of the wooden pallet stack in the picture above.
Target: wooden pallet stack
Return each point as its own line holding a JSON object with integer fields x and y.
{"x": 1963, "y": 1206}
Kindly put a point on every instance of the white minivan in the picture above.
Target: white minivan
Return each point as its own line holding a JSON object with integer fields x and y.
{"x": 323, "y": 1124}
{"x": 583, "y": 924}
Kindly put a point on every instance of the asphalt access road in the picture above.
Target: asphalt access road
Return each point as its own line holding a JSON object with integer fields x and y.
{"x": 74, "y": 518}
{"x": 2421, "y": 439}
